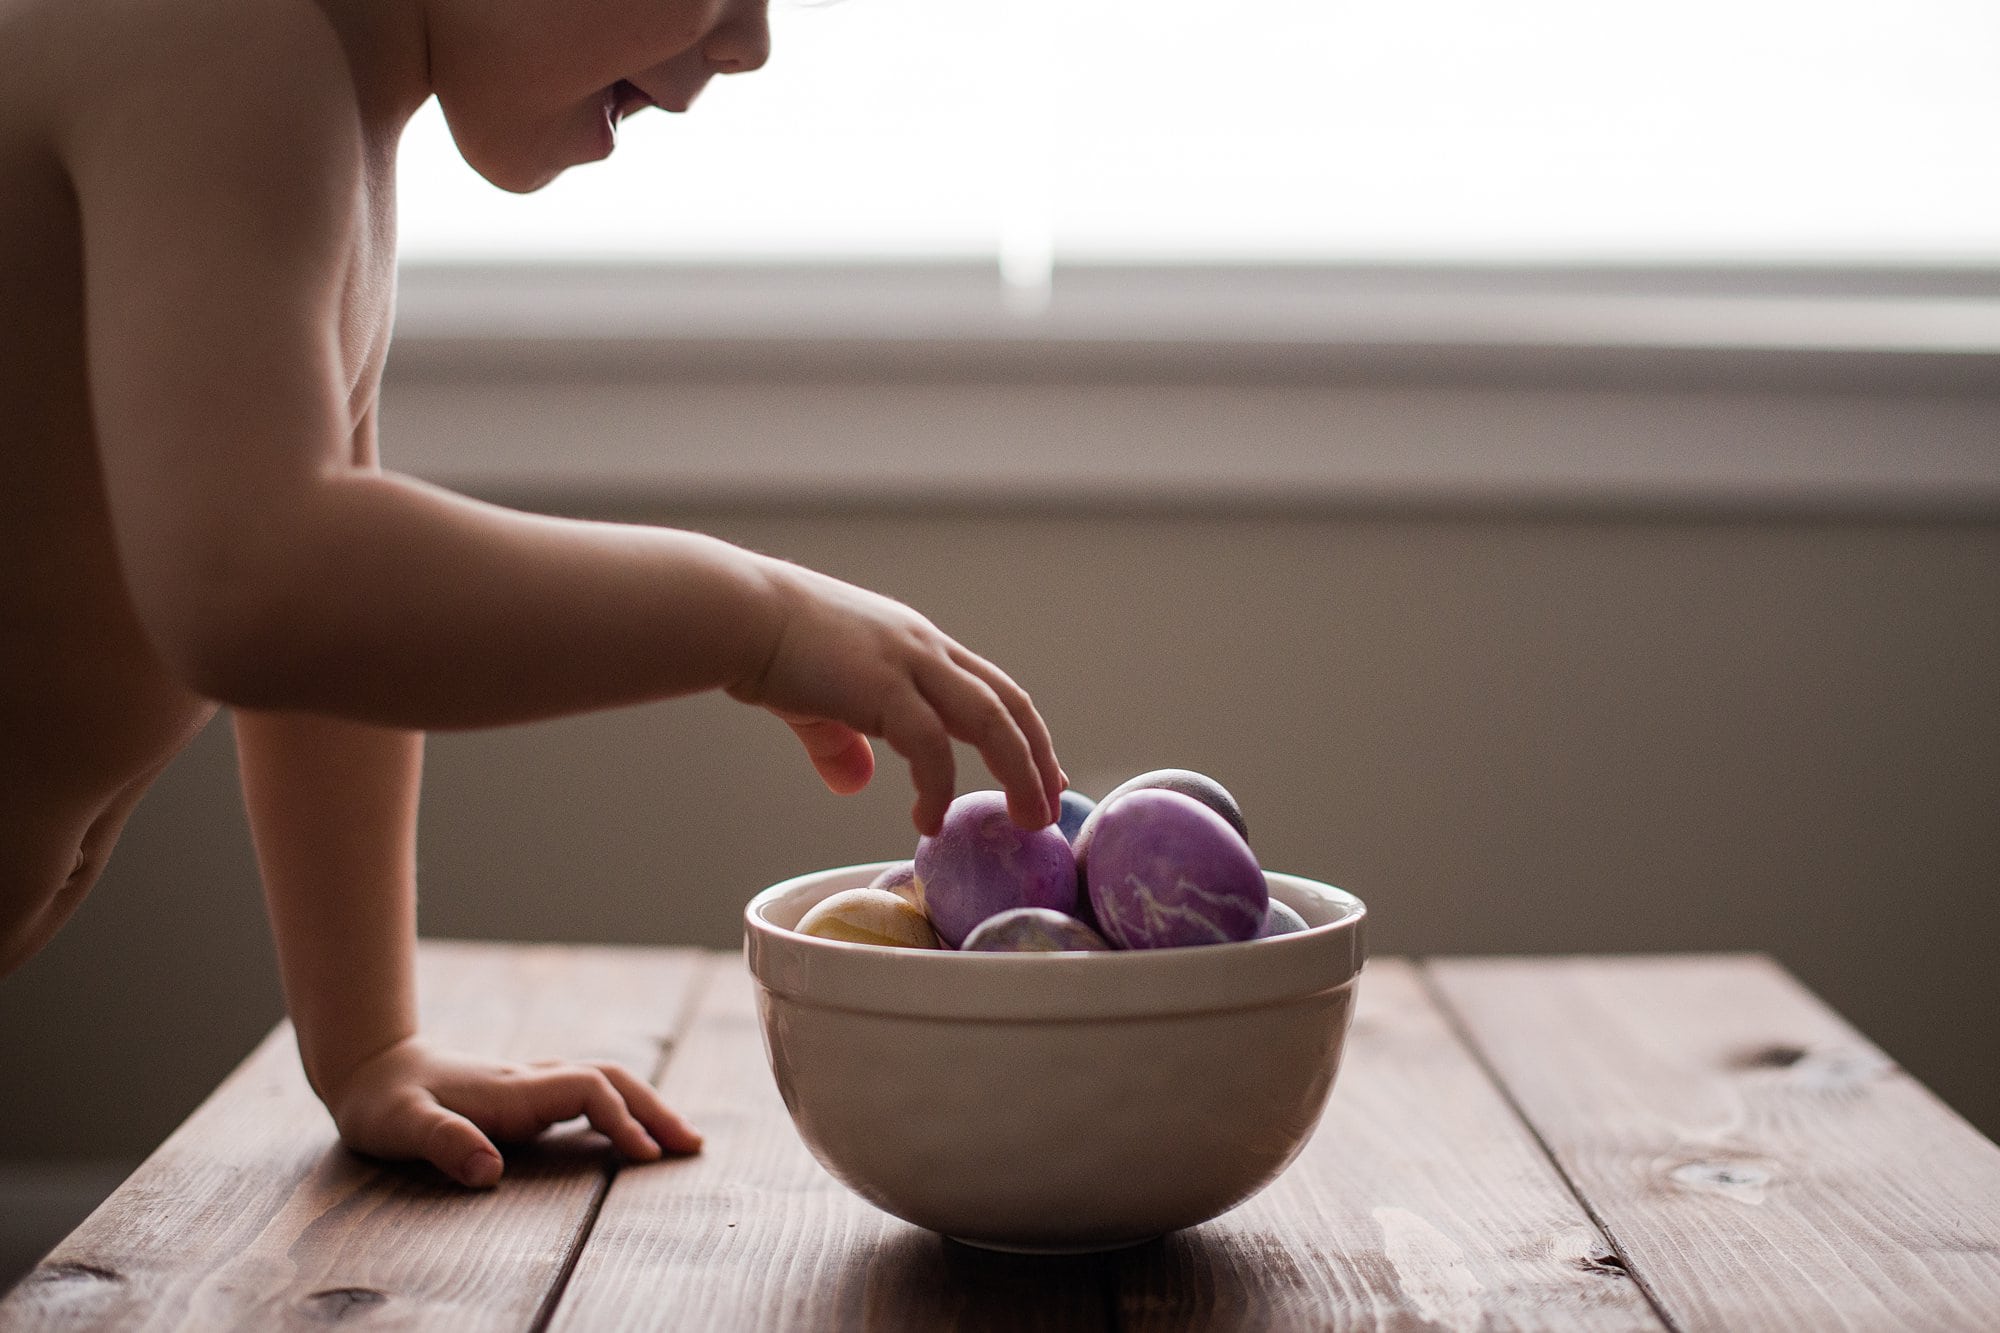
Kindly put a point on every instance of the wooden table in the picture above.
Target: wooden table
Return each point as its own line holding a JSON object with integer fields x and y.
{"x": 1619, "y": 1143}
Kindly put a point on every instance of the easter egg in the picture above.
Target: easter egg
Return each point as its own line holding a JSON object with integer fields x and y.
{"x": 1186, "y": 781}
{"x": 901, "y": 880}
{"x": 1076, "y": 807}
{"x": 869, "y": 916}
{"x": 1280, "y": 920}
{"x": 1165, "y": 871}
{"x": 981, "y": 862}
{"x": 1033, "y": 930}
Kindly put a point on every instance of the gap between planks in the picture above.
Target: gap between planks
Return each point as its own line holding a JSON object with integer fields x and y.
{"x": 706, "y": 967}
{"x": 1422, "y": 1200}
{"x": 1763, "y": 1165}
{"x": 1422, "y": 967}
{"x": 251, "y": 1215}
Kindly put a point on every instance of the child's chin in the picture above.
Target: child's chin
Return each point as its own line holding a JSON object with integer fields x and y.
{"x": 519, "y": 167}
{"x": 520, "y": 176}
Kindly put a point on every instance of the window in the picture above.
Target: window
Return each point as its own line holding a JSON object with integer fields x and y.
{"x": 1426, "y": 131}
{"x": 1541, "y": 251}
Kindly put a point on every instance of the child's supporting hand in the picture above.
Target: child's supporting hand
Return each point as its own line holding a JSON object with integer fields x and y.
{"x": 333, "y": 810}
{"x": 845, "y": 664}
{"x": 413, "y": 1101}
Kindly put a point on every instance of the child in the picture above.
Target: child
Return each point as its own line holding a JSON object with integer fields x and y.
{"x": 197, "y": 249}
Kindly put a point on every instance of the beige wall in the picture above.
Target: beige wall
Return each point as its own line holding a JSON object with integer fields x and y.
{"x": 1544, "y": 654}
{"x": 1507, "y": 733}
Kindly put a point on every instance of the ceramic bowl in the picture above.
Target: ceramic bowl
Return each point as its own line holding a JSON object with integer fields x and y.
{"x": 1054, "y": 1103}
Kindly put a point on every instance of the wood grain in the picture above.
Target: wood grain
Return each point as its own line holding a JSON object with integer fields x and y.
{"x": 1421, "y": 1203}
{"x": 754, "y": 1234}
{"x": 252, "y": 1216}
{"x": 1759, "y": 1163}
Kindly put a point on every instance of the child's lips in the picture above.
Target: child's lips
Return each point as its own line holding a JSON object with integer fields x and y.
{"x": 627, "y": 97}
{"x": 670, "y": 95}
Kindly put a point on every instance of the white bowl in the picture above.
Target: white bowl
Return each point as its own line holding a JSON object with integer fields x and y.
{"x": 1054, "y": 1103}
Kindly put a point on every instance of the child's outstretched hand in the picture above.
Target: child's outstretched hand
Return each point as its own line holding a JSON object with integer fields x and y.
{"x": 846, "y": 664}
{"x": 414, "y": 1101}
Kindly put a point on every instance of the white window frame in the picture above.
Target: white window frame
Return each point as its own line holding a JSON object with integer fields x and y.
{"x": 777, "y": 384}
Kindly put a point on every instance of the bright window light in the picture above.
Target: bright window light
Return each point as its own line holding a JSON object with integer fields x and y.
{"x": 1029, "y": 132}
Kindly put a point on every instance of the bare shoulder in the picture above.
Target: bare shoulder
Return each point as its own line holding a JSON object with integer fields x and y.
{"x": 164, "y": 166}
{"x": 185, "y": 95}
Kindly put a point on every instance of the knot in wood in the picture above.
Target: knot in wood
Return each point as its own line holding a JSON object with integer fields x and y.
{"x": 1739, "y": 1179}
{"x": 1603, "y": 1260}
{"x": 1773, "y": 1057}
{"x": 337, "y": 1303}
{"x": 1825, "y": 1070}
{"x": 74, "y": 1272}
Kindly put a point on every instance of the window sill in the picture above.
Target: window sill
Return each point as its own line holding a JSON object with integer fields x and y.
{"x": 1262, "y": 386}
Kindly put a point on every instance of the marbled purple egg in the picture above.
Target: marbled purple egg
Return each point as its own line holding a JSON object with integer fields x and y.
{"x": 982, "y": 862}
{"x": 1281, "y": 920}
{"x": 1186, "y": 781}
{"x": 1165, "y": 870}
{"x": 1033, "y": 930}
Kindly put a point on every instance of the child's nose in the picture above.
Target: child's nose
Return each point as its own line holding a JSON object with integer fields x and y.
{"x": 741, "y": 42}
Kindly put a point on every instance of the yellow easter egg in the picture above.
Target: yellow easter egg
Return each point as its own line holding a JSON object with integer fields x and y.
{"x": 870, "y": 916}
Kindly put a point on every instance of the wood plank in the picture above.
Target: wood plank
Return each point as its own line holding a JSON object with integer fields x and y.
{"x": 754, "y": 1235}
{"x": 251, "y": 1214}
{"x": 1759, "y": 1163}
{"x": 1422, "y": 1202}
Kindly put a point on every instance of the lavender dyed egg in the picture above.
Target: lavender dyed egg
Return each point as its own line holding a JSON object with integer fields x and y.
{"x": 901, "y": 880}
{"x": 1186, "y": 781}
{"x": 982, "y": 862}
{"x": 1280, "y": 920}
{"x": 1033, "y": 930}
{"x": 1165, "y": 871}
{"x": 1076, "y": 807}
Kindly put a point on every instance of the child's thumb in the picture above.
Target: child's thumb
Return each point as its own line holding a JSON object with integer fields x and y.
{"x": 455, "y": 1146}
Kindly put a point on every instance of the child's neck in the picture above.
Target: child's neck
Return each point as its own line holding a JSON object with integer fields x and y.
{"x": 388, "y": 50}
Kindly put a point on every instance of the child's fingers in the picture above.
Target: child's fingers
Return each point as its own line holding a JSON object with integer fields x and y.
{"x": 668, "y": 1129}
{"x": 455, "y": 1146}
{"x": 582, "y": 1090}
{"x": 1041, "y": 746}
{"x": 973, "y": 711}
{"x": 914, "y": 730}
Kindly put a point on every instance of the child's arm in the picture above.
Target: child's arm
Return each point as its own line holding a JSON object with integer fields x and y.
{"x": 237, "y": 280}
{"x": 333, "y": 813}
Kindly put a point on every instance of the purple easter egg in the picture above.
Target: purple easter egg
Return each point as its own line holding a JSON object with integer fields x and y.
{"x": 1033, "y": 930}
{"x": 901, "y": 880}
{"x": 1281, "y": 920}
{"x": 1186, "y": 781}
{"x": 982, "y": 862}
{"x": 1083, "y": 911}
{"x": 1165, "y": 871}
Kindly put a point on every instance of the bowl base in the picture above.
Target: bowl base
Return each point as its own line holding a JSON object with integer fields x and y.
{"x": 1091, "y": 1247}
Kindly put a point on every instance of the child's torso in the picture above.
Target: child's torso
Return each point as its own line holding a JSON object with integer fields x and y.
{"x": 86, "y": 707}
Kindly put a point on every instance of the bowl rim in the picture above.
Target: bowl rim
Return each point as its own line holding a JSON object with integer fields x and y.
{"x": 938, "y": 984}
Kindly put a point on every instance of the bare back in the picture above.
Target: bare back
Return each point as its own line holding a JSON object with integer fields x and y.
{"x": 89, "y": 713}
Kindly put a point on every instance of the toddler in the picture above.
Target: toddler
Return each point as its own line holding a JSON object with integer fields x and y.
{"x": 197, "y": 268}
